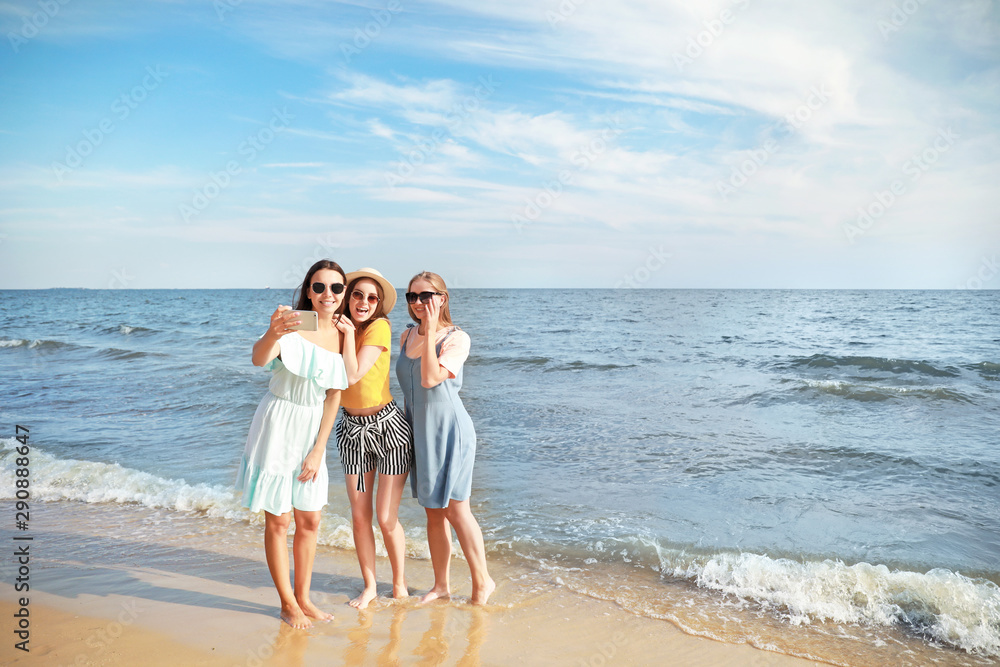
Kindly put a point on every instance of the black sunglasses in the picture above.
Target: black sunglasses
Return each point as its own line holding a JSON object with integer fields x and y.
{"x": 320, "y": 288}
{"x": 359, "y": 295}
{"x": 411, "y": 297}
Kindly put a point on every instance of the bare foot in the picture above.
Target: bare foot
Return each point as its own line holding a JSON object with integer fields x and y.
{"x": 294, "y": 617}
{"x": 400, "y": 591}
{"x": 434, "y": 594}
{"x": 312, "y": 611}
{"x": 485, "y": 591}
{"x": 361, "y": 602}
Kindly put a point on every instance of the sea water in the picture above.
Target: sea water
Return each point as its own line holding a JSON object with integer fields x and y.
{"x": 745, "y": 464}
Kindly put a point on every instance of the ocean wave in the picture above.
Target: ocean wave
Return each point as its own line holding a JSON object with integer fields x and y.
{"x": 119, "y": 354}
{"x": 37, "y": 344}
{"x": 943, "y": 605}
{"x": 987, "y": 369}
{"x": 55, "y": 479}
{"x": 897, "y": 366}
{"x": 547, "y": 364}
{"x": 93, "y": 482}
{"x": 575, "y": 366}
{"x": 127, "y": 330}
{"x": 863, "y": 392}
{"x": 872, "y": 392}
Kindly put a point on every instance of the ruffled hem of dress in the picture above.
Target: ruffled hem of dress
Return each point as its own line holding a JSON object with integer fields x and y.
{"x": 263, "y": 490}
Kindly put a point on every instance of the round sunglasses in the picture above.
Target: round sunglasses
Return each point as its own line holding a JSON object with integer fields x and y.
{"x": 320, "y": 288}
{"x": 361, "y": 296}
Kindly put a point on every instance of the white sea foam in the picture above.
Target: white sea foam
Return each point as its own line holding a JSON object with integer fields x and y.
{"x": 93, "y": 482}
{"x": 944, "y": 605}
{"x": 53, "y": 478}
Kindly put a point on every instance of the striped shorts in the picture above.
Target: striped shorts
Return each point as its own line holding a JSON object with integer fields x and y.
{"x": 382, "y": 441}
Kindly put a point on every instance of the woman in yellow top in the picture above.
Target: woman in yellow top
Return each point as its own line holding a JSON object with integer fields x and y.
{"x": 372, "y": 433}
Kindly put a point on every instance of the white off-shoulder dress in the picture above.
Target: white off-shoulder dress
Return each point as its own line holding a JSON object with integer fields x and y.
{"x": 284, "y": 429}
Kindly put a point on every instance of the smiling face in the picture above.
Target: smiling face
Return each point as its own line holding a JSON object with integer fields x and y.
{"x": 362, "y": 309}
{"x": 418, "y": 308}
{"x": 327, "y": 303}
{"x": 425, "y": 281}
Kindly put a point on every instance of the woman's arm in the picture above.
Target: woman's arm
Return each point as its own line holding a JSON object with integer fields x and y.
{"x": 357, "y": 363}
{"x": 366, "y": 359}
{"x": 267, "y": 348}
{"x": 310, "y": 466}
{"x": 347, "y": 331}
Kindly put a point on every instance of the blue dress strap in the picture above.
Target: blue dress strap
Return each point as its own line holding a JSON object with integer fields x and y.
{"x": 453, "y": 330}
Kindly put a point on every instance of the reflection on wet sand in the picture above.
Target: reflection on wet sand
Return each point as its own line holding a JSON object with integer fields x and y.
{"x": 389, "y": 655}
{"x": 447, "y": 625}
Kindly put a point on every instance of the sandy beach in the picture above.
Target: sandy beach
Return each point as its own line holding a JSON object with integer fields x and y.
{"x": 115, "y": 588}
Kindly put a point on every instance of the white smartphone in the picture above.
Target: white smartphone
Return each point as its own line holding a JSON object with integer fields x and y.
{"x": 310, "y": 321}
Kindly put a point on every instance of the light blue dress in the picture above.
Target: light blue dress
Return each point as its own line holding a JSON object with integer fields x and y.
{"x": 444, "y": 439}
{"x": 284, "y": 429}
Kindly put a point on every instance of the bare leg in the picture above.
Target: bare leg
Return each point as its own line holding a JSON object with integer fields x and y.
{"x": 471, "y": 538}
{"x": 304, "y": 552}
{"x": 276, "y": 553}
{"x": 364, "y": 535}
{"x": 439, "y": 541}
{"x": 390, "y": 491}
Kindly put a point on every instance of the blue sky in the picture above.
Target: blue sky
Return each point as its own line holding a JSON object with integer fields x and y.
{"x": 544, "y": 143}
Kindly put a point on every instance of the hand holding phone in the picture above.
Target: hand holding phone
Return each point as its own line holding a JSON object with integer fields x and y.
{"x": 310, "y": 321}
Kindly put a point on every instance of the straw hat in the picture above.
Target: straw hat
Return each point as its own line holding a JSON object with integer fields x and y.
{"x": 388, "y": 291}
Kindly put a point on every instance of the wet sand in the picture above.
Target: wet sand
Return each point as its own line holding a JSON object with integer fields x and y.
{"x": 111, "y": 586}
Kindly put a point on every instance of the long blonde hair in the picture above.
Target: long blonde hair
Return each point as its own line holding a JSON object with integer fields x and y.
{"x": 438, "y": 283}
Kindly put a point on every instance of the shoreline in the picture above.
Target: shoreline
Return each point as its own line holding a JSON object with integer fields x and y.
{"x": 200, "y": 593}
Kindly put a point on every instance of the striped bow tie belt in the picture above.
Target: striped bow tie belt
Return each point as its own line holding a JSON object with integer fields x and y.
{"x": 368, "y": 434}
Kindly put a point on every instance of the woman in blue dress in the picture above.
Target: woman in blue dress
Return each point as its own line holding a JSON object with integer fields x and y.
{"x": 429, "y": 370}
{"x": 283, "y": 470}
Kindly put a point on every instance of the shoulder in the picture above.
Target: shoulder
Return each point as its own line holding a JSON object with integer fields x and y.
{"x": 378, "y": 333}
{"x": 457, "y": 338}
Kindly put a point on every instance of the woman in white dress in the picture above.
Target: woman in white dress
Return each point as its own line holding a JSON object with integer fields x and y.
{"x": 283, "y": 471}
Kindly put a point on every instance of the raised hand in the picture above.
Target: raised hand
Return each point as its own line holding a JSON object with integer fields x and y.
{"x": 283, "y": 318}
{"x": 432, "y": 314}
{"x": 345, "y": 325}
